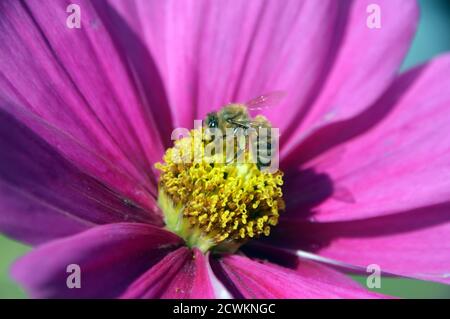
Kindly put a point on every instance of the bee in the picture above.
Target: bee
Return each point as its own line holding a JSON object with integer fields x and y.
{"x": 236, "y": 116}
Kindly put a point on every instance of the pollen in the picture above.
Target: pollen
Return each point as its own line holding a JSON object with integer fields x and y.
{"x": 214, "y": 204}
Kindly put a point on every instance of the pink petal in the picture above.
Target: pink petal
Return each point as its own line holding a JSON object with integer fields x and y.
{"x": 43, "y": 196}
{"x": 252, "y": 279}
{"x": 211, "y": 52}
{"x": 366, "y": 62}
{"x": 402, "y": 163}
{"x": 110, "y": 257}
{"x": 181, "y": 274}
{"x": 27, "y": 219}
{"x": 74, "y": 85}
{"x": 412, "y": 244}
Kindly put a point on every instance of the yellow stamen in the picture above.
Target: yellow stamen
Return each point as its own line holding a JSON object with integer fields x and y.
{"x": 211, "y": 203}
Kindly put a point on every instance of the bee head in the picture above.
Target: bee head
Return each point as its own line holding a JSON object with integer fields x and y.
{"x": 212, "y": 120}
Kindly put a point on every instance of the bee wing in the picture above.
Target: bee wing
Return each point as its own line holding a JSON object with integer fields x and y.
{"x": 244, "y": 123}
{"x": 265, "y": 101}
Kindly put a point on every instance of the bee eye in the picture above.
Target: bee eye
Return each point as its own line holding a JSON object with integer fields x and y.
{"x": 212, "y": 122}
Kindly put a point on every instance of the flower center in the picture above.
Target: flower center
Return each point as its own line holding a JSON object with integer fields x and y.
{"x": 215, "y": 204}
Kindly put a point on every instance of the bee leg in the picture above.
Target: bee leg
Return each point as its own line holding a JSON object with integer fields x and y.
{"x": 236, "y": 156}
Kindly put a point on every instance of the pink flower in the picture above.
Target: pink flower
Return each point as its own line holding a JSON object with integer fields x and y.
{"x": 85, "y": 113}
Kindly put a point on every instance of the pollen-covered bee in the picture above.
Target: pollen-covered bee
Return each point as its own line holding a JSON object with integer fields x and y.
{"x": 235, "y": 117}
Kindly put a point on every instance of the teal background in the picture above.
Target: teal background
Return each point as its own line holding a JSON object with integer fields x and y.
{"x": 432, "y": 38}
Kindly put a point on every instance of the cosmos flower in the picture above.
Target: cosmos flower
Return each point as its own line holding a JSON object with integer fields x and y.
{"x": 86, "y": 113}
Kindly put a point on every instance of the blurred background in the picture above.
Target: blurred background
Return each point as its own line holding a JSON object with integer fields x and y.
{"x": 432, "y": 38}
